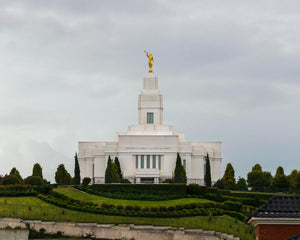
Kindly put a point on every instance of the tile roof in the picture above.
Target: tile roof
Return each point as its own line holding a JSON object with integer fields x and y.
{"x": 280, "y": 207}
{"x": 295, "y": 237}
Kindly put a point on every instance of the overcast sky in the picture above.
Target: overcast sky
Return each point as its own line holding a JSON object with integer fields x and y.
{"x": 72, "y": 70}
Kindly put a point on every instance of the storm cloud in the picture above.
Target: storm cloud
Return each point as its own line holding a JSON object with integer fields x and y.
{"x": 71, "y": 71}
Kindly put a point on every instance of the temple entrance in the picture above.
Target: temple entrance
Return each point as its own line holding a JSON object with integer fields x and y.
{"x": 147, "y": 180}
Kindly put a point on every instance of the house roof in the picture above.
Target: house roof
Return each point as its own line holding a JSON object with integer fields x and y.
{"x": 295, "y": 237}
{"x": 280, "y": 207}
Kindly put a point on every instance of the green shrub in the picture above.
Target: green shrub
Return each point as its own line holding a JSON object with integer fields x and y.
{"x": 86, "y": 181}
{"x": 175, "y": 189}
{"x": 234, "y": 206}
{"x": 124, "y": 180}
{"x": 34, "y": 181}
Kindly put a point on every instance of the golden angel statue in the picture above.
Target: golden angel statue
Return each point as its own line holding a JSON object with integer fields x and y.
{"x": 150, "y": 62}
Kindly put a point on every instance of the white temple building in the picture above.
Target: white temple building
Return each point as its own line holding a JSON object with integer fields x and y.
{"x": 147, "y": 151}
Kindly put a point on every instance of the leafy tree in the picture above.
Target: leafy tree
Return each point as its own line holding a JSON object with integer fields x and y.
{"x": 207, "y": 177}
{"x": 259, "y": 180}
{"x": 34, "y": 181}
{"x": 76, "y": 171}
{"x": 119, "y": 168}
{"x": 10, "y": 180}
{"x": 219, "y": 184}
{"x": 115, "y": 173}
{"x": 280, "y": 181}
{"x": 179, "y": 172}
{"x": 292, "y": 178}
{"x": 241, "y": 185}
{"x": 37, "y": 171}
{"x": 257, "y": 167}
{"x": 297, "y": 188}
{"x": 228, "y": 178}
{"x": 16, "y": 173}
{"x": 62, "y": 176}
{"x": 109, "y": 171}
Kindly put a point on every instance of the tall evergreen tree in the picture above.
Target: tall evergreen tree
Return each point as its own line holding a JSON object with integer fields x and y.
{"x": 228, "y": 178}
{"x": 16, "y": 173}
{"x": 119, "y": 168}
{"x": 37, "y": 170}
{"x": 115, "y": 173}
{"x": 62, "y": 176}
{"x": 280, "y": 181}
{"x": 76, "y": 171}
{"x": 207, "y": 177}
{"x": 109, "y": 171}
{"x": 179, "y": 172}
{"x": 292, "y": 178}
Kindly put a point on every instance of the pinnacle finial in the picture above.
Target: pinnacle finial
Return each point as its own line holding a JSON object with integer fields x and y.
{"x": 150, "y": 60}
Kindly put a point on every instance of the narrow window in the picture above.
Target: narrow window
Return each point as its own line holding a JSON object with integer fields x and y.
{"x": 184, "y": 163}
{"x": 136, "y": 161}
{"x": 142, "y": 161}
{"x": 154, "y": 161}
{"x": 159, "y": 162}
{"x": 148, "y": 161}
{"x": 149, "y": 118}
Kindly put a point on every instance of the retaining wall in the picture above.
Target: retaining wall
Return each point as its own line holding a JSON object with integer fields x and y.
{"x": 126, "y": 232}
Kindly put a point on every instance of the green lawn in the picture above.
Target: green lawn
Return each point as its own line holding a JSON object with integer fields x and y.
{"x": 76, "y": 194}
{"x": 33, "y": 208}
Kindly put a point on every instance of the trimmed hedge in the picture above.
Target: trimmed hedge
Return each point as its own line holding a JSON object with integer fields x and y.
{"x": 23, "y": 190}
{"x": 202, "y": 209}
{"x": 129, "y": 196}
{"x": 246, "y": 201}
{"x": 175, "y": 189}
{"x": 192, "y": 209}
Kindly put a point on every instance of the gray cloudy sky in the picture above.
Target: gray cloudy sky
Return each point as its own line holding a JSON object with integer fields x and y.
{"x": 72, "y": 70}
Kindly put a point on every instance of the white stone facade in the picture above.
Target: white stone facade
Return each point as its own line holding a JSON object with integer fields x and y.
{"x": 147, "y": 151}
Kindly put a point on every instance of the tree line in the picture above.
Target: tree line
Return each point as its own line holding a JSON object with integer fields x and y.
{"x": 261, "y": 181}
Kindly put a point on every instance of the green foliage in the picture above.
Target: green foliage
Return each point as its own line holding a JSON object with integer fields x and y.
{"x": 207, "y": 177}
{"x": 298, "y": 183}
{"x": 175, "y": 189}
{"x": 86, "y": 181}
{"x": 115, "y": 174}
{"x": 233, "y": 206}
{"x": 257, "y": 167}
{"x": 34, "y": 181}
{"x": 179, "y": 172}
{"x": 280, "y": 181}
{"x": 219, "y": 184}
{"x": 228, "y": 178}
{"x": 15, "y": 172}
{"x": 62, "y": 176}
{"x": 119, "y": 168}
{"x": 124, "y": 180}
{"x": 241, "y": 185}
{"x": 292, "y": 178}
{"x": 76, "y": 171}
{"x": 193, "y": 189}
{"x": 109, "y": 171}
{"x": 37, "y": 171}
{"x": 10, "y": 180}
{"x": 259, "y": 180}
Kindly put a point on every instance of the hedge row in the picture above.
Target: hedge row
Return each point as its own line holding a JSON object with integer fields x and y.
{"x": 136, "y": 211}
{"x": 130, "y": 196}
{"x": 9, "y": 193}
{"x": 163, "y": 189}
{"x": 22, "y": 190}
{"x": 246, "y": 201}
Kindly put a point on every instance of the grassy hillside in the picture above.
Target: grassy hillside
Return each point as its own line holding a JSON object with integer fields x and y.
{"x": 33, "y": 208}
{"x": 82, "y": 196}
